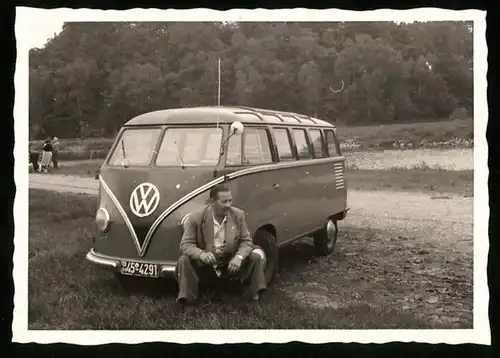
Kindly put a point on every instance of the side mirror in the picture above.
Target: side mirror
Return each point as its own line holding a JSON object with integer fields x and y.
{"x": 236, "y": 128}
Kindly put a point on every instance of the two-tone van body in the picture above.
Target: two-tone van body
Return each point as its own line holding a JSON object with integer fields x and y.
{"x": 285, "y": 170}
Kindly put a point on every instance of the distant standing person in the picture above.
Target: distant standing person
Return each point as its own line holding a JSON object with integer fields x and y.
{"x": 55, "y": 151}
{"x": 46, "y": 155}
{"x": 34, "y": 159}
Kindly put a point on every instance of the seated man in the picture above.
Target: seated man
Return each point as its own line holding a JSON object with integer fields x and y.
{"x": 216, "y": 239}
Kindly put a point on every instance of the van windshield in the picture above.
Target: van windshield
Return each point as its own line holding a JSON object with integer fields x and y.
{"x": 136, "y": 146}
{"x": 190, "y": 147}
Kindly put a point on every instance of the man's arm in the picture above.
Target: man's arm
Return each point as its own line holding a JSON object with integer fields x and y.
{"x": 188, "y": 244}
{"x": 246, "y": 244}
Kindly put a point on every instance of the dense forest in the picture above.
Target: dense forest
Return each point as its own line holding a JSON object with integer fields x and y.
{"x": 92, "y": 77}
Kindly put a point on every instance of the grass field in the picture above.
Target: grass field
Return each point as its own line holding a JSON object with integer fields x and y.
{"x": 383, "y": 137}
{"x": 421, "y": 286}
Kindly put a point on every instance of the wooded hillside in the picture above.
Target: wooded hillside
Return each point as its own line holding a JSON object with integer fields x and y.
{"x": 93, "y": 77}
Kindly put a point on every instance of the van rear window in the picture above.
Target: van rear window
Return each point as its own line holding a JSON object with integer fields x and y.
{"x": 136, "y": 145}
{"x": 190, "y": 146}
{"x": 332, "y": 146}
{"x": 317, "y": 142}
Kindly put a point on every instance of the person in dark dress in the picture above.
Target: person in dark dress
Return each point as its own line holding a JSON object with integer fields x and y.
{"x": 46, "y": 155}
{"x": 34, "y": 156}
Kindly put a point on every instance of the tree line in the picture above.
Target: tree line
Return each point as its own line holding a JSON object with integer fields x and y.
{"x": 92, "y": 77}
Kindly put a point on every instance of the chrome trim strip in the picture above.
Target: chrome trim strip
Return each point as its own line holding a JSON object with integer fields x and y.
{"x": 123, "y": 214}
{"x": 287, "y": 164}
{"x": 234, "y": 175}
{"x": 173, "y": 207}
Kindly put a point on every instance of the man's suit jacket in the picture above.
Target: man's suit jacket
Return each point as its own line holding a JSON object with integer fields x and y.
{"x": 198, "y": 234}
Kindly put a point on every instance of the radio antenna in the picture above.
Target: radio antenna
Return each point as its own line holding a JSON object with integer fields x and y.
{"x": 218, "y": 97}
{"x": 218, "y": 94}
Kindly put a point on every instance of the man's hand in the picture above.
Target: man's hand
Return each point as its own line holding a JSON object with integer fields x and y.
{"x": 234, "y": 265}
{"x": 208, "y": 258}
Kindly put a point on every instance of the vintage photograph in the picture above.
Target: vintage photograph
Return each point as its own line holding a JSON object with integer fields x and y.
{"x": 251, "y": 175}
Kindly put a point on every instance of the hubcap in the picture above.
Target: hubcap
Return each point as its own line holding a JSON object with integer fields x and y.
{"x": 331, "y": 232}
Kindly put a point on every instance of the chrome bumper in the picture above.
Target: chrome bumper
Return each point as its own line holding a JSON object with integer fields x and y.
{"x": 114, "y": 264}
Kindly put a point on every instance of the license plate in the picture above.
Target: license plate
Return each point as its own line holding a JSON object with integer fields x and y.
{"x": 142, "y": 269}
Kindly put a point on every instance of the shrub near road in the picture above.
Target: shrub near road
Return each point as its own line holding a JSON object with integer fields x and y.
{"x": 377, "y": 279}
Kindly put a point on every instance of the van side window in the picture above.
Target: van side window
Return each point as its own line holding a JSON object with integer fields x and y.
{"x": 317, "y": 142}
{"x": 234, "y": 151}
{"x": 301, "y": 142}
{"x": 283, "y": 144}
{"x": 257, "y": 148}
{"x": 330, "y": 140}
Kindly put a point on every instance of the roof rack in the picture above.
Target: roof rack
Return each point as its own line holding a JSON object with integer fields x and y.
{"x": 276, "y": 113}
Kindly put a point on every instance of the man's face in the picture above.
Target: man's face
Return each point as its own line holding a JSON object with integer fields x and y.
{"x": 223, "y": 203}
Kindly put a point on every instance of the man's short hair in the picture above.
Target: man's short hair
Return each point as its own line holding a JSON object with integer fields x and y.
{"x": 214, "y": 192}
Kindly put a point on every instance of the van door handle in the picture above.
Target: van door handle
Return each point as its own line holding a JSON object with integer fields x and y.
{"x": 276, "y": 186}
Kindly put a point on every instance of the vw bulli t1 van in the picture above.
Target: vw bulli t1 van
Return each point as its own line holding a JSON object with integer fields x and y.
{"x": 285, "y": 170}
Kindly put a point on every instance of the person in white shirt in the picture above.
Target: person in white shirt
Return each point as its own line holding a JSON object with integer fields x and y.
{"x": 216, "y": 240}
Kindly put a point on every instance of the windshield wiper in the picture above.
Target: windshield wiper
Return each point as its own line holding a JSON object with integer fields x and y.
{"x": 179, "y": 155}
{"x": 124, "y": 161}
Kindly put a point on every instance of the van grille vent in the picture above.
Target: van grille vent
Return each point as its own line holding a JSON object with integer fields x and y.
{"x": 339, "y": 175}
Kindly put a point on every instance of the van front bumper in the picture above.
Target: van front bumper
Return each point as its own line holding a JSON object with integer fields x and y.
{"x": 166, "y": 269}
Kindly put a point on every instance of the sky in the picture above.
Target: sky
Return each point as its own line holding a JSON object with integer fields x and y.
{"x": 40, "y": 32}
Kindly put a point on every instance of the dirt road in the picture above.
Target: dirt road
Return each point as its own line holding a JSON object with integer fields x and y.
{"x": 64, "y": 183}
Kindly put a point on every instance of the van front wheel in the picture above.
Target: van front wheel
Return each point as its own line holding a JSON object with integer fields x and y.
{"x": 326, "y": 239}
{"x": 266, "y": 241}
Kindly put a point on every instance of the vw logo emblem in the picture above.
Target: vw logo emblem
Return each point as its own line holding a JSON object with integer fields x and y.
{"x": 144, "y": 199}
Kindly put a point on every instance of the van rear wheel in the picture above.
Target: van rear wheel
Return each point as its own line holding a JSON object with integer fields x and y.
{"x": 326, "y": 239}
{"x": 267, "y": 242}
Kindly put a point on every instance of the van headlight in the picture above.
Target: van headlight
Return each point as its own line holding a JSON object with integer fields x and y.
{"x": 102, "y": 219}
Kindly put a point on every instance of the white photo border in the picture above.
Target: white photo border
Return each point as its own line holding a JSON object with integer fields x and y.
{"x": 27, "y": 17}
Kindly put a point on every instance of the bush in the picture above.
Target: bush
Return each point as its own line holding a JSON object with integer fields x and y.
{"x": 460, "y": 113}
